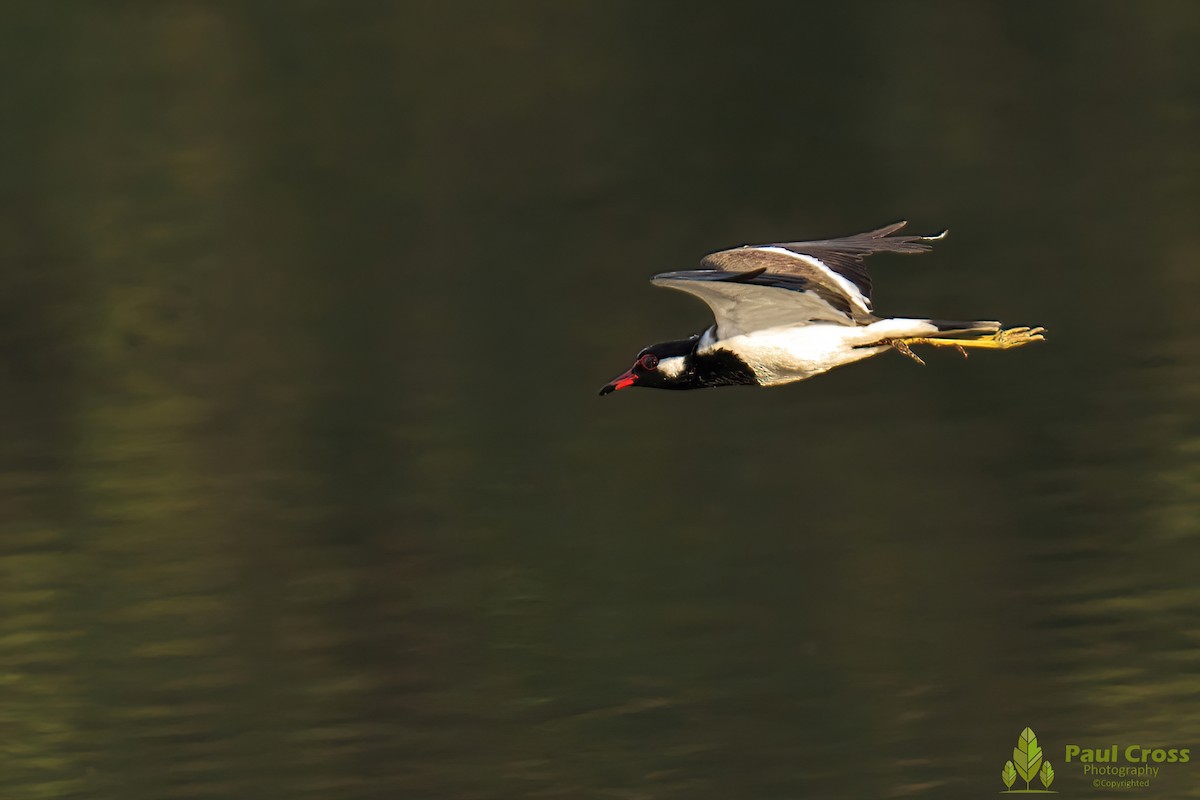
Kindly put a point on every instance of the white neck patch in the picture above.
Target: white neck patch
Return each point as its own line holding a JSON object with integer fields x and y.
{"x": 671, "y": 367}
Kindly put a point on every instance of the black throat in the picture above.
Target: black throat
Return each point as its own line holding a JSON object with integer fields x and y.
{"x": 717, "y": 368}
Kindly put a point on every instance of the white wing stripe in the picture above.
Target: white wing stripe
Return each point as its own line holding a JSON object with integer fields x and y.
{"x": 848, "y": 288}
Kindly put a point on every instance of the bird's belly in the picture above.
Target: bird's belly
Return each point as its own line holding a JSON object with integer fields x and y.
{"x": 783, "y": 355}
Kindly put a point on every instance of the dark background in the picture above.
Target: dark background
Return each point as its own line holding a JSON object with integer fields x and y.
{"x": 304, "y": 486}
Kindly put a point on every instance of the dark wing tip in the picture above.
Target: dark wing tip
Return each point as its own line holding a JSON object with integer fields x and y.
{"x": 722, "y": 275}
{"x": 744, "y": 277}
{"x": 881, "y": 239}
{"x": 886, "y": 230}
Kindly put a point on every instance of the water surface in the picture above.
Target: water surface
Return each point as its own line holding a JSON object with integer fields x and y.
{"x": 307, "y": 491}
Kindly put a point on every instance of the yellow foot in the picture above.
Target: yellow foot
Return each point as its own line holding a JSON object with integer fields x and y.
{"x": 901, "y": 346}
{"x": 1001, "y": 340}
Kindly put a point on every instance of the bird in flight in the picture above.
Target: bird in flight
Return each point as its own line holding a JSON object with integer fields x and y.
{"x": 786, "y": 312}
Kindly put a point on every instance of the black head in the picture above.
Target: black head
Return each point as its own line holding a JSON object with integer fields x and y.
{"x": 660, "y": 366}
{"x": 677, "y": 365}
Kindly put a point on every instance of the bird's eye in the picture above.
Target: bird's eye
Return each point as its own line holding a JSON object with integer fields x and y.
{"x": 648, "y": 361}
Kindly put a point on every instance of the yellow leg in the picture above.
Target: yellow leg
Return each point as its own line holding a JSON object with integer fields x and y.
{"x": 1001, "y": 340}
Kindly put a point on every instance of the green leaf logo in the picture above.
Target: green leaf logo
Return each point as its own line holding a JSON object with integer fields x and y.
{"x": 1027, "y": 756}
{"x": 1028, "y": 762}
{"x": 1046, "y": 775}
{"x": 1009, "y": 774}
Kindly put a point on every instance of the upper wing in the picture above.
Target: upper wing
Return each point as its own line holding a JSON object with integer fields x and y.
{"x": 743, "y": 302}
{"x": 835, "y": 264}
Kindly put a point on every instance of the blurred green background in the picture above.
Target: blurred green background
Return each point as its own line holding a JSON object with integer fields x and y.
{"x": 307, "y": 492}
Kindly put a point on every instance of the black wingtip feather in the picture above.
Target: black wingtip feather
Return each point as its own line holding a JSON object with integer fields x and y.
{"x": 745, "y": 277}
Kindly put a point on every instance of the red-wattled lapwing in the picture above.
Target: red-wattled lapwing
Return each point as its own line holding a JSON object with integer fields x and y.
{"x": 786, "y": 312}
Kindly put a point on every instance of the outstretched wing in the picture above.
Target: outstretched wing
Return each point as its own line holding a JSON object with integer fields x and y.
{"x": 835, "y": 264}
{"x": 743, "y": 302}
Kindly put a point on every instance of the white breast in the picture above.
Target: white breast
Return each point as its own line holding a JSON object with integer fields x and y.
{"x": 786, "y": 354}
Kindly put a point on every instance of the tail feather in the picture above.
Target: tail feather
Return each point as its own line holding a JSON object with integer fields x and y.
{"x": 947, "y": 327}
